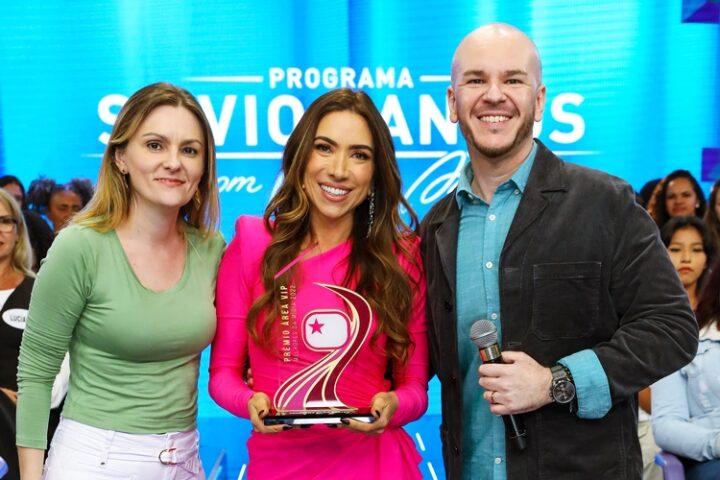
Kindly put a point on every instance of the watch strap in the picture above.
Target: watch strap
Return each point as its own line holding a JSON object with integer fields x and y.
{"x": 561, "y": 372}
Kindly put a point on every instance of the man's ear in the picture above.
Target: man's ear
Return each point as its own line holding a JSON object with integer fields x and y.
{"x": 540, "y": 97}
{"x": 451, "y": 104}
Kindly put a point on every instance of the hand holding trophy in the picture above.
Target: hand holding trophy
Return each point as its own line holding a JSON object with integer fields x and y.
{"x": 258, "y": 407}
{"x": 383, "y": 408}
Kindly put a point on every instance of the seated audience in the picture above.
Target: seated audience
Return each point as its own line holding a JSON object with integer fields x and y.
{"x": 13, "y": 185}
{"x": 712, "y": 214}
{"x": 686, "y": 404}
{"x": 59, "y": 202}
{"x": 648, "y": 447}
{"x": 16, "y": 282}
{"x": 41, "y": 236}
{"x": 645, "y": 194}
{"x": 691, "y": 249}
{"x": 677, "y": 194}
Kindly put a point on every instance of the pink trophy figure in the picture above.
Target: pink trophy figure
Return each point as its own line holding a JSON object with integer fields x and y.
{"x": 327, "y": 331}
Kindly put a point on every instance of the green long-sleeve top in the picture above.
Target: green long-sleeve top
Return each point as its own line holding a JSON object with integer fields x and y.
{"x": 134, "y": 353}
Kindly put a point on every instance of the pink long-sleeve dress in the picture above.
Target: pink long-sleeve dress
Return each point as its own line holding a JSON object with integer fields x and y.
{"x": 309, "y": 331}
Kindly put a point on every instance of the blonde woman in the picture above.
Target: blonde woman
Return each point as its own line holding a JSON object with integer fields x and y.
{"x": 128, "y": 288}
{"x": 16, "y": 282}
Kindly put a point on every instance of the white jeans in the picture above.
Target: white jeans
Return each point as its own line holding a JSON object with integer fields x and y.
{"x": 82, "y": 452}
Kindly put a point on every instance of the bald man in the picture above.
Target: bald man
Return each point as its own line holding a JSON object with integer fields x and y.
{"x": 568, "y": 268}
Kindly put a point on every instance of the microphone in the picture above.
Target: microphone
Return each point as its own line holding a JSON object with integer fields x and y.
{"x": 484, "y": 335}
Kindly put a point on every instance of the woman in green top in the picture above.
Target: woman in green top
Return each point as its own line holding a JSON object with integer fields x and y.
{"x": 128, "y": 289}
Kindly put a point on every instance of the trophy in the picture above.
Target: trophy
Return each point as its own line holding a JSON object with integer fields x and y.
{"x": 309, "y": 396}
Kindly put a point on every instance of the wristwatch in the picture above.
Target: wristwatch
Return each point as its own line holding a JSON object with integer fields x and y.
{"x": 562, "y": 388}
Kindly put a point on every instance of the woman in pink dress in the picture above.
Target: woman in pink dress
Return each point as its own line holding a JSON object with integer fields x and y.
{"x": 324, "y": 299}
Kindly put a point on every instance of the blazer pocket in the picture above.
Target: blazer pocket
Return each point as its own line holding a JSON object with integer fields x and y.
{"x": 566, "y": 299}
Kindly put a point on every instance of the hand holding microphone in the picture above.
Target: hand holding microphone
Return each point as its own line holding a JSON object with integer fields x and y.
{"x": 520, "y": 385}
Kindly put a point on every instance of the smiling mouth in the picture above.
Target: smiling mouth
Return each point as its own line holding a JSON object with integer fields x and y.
{"x": 170, "y": 181}
{"x": 494, "y": 118}
{"x": 334, "y": 191}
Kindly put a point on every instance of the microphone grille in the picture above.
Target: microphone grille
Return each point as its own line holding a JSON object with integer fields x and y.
{"x": 483, "y": 333}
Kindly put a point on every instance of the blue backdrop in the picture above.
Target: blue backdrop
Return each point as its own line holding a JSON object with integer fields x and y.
{"x": 633, "y": 89}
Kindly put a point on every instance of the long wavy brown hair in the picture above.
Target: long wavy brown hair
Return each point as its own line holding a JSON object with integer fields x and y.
{"x": 373, "y": 267}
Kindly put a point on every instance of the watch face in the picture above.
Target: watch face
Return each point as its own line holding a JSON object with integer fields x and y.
{"x": 563, "y": 391}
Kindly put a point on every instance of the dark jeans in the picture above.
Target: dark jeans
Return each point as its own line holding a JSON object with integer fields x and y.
{"x": 708, "y": 470}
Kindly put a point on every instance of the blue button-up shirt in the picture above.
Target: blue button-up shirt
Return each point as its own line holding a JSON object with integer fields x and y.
{"x": 481, "y": 236}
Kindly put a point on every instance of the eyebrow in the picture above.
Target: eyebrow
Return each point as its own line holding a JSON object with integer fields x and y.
{"x": 359, "y": 146}
{"x": 508, "y": 73}
{"x": 164, "y": 138}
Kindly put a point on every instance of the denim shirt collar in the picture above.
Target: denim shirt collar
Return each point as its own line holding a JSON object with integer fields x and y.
{"x": 517, "y": 180}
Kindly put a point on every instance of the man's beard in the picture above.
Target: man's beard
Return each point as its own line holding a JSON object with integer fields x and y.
{"x": 523, "y": 134}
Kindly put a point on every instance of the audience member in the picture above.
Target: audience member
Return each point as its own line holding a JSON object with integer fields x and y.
{"x": 646, "y": 192}
{"x": 648, "y": 447}
{"x": 686, "y": 404}
{"x": 128, "y": 287}
{"x": 14, "y": 187}
{"x": 41, "y": 236}
{"x": 59, "y": 202}
{"x": 691, "y": 250}
{"x": 712, "y": 214}
{"x": 16, "y": 282}
{"x": 679, "y": 193}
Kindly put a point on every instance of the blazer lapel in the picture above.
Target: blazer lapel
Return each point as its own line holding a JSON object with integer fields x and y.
{"x": 545, "y": 176}
{"x": 446, "y": 236}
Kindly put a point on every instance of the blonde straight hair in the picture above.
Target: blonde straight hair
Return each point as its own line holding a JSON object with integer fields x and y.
{"x": 110, "y": 205}
{"x": 22, "y": 254}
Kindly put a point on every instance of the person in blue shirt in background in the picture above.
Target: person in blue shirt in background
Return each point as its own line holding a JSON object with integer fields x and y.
{"x": 686, "y": 403}
{"x": 569, "y": 269}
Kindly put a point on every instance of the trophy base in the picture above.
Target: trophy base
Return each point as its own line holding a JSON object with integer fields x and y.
{"x": 318, "y": 417}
